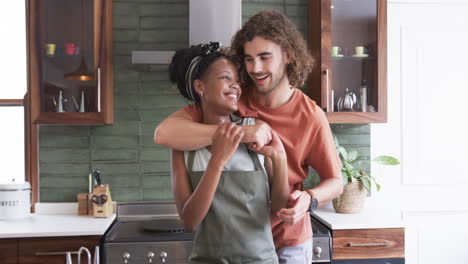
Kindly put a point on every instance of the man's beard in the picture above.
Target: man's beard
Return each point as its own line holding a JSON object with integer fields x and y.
{"x": 273, "y": 85}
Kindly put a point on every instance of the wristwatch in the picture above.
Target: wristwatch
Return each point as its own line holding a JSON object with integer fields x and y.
{"x": 313, "y": 201}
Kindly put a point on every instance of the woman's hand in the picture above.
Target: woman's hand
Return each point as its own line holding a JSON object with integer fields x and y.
{"x": 225, "y": 142}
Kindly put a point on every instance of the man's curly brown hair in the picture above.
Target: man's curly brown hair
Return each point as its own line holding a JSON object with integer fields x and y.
{"x": 274, "y": 26}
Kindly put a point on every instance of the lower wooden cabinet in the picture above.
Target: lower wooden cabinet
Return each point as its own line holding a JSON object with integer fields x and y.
{"x": 369, "y": 243}
{"x": 24, "y": 250}
{"x": 8, "y": 251}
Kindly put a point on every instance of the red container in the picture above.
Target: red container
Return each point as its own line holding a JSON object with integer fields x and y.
{"x": 70, "y": 48}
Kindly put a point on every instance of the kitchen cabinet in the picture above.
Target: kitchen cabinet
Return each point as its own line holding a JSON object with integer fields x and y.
{"x": 8, "y": 250}
{"x": 23, "y": 250}
{"x": 348, "y": 43}
{"x": 375, "y": 244}
{"x": 70, "y": 61}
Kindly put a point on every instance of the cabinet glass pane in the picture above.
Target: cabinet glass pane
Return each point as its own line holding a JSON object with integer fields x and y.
{"x": 354, "y": 55}
{"x": 66, "y": 57}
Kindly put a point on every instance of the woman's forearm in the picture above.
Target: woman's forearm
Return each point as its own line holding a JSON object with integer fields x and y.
{"x": 198, "y": 204}
{"x": 180, "y": 132}
{"x": 280, "y": 185}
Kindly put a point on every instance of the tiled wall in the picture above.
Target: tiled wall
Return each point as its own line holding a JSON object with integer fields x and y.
{"x": 133, "y": 166}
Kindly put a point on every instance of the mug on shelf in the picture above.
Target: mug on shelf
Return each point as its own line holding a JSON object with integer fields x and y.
{"x": 335, "y": 51}
{"x": 359, "y": 50}
{"x": 50, "y": 49}
{"x": 70, "y": 48}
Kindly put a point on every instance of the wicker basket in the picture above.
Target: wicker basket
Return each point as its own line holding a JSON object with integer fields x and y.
{"x": 351, "y": 201}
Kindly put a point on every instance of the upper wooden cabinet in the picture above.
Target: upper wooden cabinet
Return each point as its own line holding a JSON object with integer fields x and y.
{"x": 70, "y": 61}
{"x": 348, "y": 40}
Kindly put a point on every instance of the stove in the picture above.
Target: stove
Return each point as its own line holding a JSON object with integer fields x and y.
{"x": 147, "y": 232}
{"x": 151, "y": 232}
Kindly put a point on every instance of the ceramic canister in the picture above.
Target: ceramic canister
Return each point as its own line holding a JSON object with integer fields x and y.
{"x": 15, "y": 201}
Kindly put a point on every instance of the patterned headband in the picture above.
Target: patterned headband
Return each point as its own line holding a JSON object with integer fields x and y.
{"x": 206, "y": 50}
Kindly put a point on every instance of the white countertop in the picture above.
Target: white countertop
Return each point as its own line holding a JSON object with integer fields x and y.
{"x": 368, "y": 219}
{"x": 52, "y": 220}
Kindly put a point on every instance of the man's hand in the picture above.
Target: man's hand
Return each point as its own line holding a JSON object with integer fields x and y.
{"x": 301, "y": 203}
{"x": 257, "y": 135}
{"x": 273, "y": 148}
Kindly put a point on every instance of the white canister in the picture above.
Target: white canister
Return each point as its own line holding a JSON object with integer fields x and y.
{"x": 15, "y": 201}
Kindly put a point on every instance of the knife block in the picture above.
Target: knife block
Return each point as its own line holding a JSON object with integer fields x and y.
{"x": 105, "y": 209}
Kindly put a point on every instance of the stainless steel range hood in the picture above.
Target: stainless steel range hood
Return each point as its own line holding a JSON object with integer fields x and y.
{"x": 209, "y": 20}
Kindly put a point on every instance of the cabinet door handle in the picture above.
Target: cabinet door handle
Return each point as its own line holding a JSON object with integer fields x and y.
{"x": 55, "y": 253}
{"x": 327, "y": 86}
{"x": 368, "y": 244}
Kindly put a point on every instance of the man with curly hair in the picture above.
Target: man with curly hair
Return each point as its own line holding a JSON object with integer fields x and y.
{"x": 273, "y": 61}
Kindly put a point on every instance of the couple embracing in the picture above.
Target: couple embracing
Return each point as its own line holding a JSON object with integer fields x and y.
{"x": 241, "y": 151}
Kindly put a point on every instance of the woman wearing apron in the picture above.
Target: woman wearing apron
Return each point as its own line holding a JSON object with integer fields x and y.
{"x": 222, "y": 192}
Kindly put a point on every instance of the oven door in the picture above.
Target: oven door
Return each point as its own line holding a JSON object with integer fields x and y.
{"x": 170, "y": 252}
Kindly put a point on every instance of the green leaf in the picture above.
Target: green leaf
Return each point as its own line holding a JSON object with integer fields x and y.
{"x": 376, "y": 184}
{"x": 386, "y": 160}
{"x": 346, "y": 177}
{"x": 367, "y": 184}
{"x": 352, "y": 155}
{"x": 356, "y": 174}
{"x": 343, "y": 153}
{"x": 348, "y": 167}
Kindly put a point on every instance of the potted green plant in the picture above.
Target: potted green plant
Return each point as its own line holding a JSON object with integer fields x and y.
{"x": 357, "y": 183}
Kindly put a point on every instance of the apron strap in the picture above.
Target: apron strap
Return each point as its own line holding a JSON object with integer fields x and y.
{"x": 255, "y": 160}
{"x": 191, "y": 158}
{"x": 259, "y": 168}
{"x": 237, "y": 120}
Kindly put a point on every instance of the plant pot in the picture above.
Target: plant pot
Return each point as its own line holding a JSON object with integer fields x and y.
{"x": 351, "y": 201}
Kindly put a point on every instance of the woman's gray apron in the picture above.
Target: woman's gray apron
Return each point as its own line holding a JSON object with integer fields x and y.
{"x": 237, "y": 227}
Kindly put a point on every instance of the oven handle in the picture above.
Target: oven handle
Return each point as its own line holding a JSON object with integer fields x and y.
{"x": 368, "y": 244}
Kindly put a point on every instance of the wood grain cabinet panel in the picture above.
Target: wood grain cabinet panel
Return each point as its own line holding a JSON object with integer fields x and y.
{"x": 27, "y": 249}
{"x": 8, "y": 251}
{"x": 368, "y": 243}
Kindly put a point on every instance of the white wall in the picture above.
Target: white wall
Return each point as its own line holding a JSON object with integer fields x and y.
{"x": 426, "y": 129}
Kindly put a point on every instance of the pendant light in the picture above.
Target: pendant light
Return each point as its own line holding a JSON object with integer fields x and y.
{"x": 82, "y": 73}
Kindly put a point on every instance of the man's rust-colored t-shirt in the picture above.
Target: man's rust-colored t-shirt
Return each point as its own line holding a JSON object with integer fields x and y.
{"x": 304, "y": 130}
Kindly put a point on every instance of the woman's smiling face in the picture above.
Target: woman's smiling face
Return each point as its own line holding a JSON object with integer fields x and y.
{"x": 220, "y": 89}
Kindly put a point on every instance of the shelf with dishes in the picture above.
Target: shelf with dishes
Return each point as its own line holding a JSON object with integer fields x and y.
{"x": 71, "y": 72}
{"x": 352, "y": 57}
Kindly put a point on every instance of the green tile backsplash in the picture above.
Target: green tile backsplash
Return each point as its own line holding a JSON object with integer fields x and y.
{"x": 133, "y": 166}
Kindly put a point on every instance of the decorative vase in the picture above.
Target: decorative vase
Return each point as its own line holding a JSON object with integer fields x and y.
{"x": 351, "y": 201}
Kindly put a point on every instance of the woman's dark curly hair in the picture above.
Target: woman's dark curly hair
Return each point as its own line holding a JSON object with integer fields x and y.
{"x": 274, "y": 26}
{"x": 180, "y": 63}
